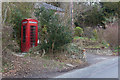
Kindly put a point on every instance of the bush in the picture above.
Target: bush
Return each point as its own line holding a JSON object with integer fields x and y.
{"x": 35, "y": 50}
{"x": 109, "y": 35}
{"x": 95, "y": 35}
{"x": 78, "y": 31}
{"x": 56, "y": 34}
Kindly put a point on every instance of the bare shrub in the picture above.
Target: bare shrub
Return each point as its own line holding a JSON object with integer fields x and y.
{"x": 111, "y": 34}
{"x": 6, "y": 36}
{"x": 88, "y": 32}
{"x": 7, "y": 39}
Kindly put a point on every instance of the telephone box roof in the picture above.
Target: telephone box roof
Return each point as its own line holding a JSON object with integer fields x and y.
{"x": 29, "y": 19}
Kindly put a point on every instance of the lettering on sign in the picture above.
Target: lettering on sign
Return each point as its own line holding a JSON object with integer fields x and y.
{"x": 32, "y": 22}
{"x": 24, "y": 22}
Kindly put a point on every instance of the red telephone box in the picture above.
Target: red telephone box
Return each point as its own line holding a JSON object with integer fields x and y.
{"x": 29, "y": 34}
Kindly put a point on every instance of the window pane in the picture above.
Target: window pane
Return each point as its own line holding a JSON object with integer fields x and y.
{"x": 32, "y": 35}
{"x": 24, "y": 33}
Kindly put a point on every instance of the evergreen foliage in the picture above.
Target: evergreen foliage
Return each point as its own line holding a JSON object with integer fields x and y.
{"x": 78, "y": 31}
{"x": 57, "y": 35}
{"x": 100, "y": 13}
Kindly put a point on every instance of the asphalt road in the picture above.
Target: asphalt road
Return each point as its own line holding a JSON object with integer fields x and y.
{"x": 93, "y": 58}
{"x": 104, "y": 69}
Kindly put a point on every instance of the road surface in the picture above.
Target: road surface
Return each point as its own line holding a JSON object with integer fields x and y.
{"x": 93, "y": 58}
{"x": 105, "y": 69}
